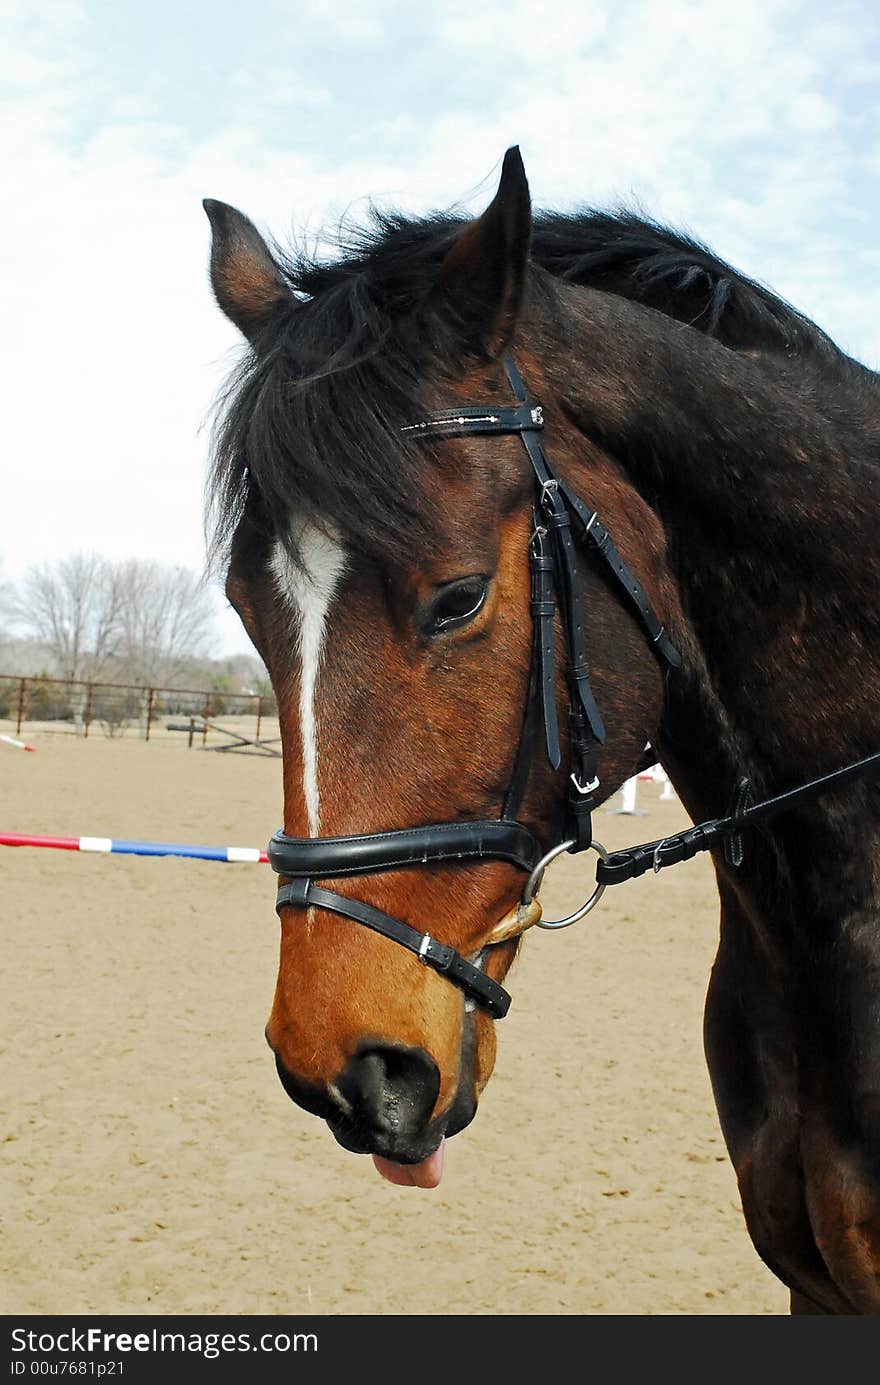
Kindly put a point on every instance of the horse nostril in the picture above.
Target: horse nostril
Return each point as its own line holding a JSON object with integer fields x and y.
{"x": 391, "y": 1090}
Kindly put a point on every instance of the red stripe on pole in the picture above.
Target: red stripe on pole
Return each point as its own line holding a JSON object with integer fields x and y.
{"x": 21, "y": 839}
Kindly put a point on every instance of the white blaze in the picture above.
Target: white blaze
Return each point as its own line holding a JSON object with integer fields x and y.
{"x": 308, "y": 591}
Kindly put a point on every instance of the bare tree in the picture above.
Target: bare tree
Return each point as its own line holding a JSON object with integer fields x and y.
{"x": 133, "y": 621}
{"x": 165, "y": 621}
{"x": 7, "y": 617}
{"x": 72, "y": 607}
{"x": 7, "y": 607}
{"x": 5, "y": 592}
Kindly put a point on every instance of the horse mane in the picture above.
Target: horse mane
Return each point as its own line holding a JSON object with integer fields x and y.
{"x": 640, "y": 259}
{"x": 336, "y": 376}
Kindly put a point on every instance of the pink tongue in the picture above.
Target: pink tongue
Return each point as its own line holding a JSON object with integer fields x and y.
{"x": 427, "y": 1174}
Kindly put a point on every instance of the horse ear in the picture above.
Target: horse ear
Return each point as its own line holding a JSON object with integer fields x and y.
{"x": 482, "y": 277}
{"x": 247, "y": 283}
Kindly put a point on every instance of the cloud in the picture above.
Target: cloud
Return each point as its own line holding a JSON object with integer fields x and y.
{"x": 746, "y": 125}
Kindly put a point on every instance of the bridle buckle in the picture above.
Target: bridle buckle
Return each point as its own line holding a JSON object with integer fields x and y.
{"x": 539, "y": 531}
{"x": 591, "y": 787}
{"x": 657, "y": 858}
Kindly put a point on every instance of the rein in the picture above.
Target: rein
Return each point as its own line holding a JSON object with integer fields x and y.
{"x": 633, "y": 861}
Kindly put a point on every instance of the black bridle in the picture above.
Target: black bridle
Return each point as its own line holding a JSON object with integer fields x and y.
{"x": 561, "y": 522}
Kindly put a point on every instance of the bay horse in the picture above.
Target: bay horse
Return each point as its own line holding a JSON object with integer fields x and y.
{"x": 506, "y": 504}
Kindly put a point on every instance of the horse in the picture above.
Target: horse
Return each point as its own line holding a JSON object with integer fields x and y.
{"x": 510, "y": 505}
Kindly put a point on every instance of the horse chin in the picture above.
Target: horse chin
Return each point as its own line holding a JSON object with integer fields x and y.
{"x": 413, "y": 1158}
{"x": 405, "y": 1149}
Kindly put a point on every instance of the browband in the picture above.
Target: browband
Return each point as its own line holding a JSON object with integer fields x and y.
{"x": 477, "y": 418}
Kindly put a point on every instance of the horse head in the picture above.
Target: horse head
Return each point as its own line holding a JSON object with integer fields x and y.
{"x": 384, "y": 539}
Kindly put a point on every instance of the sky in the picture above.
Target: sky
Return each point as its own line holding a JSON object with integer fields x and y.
{"x": 753, "y": 125}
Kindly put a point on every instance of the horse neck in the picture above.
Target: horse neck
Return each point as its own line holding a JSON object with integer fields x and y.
{"x": 761, "y": 472}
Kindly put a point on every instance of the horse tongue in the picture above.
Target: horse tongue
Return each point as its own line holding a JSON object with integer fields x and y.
{"x": 427, "y": 1174}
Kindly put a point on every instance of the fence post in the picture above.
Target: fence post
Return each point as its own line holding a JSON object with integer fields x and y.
{"x": 259, "y": 717}
{"x": 21, "y": 688}
{"x": 88, "y": 712}
{"x": 150, "y": 700}
{"x": 205, "y": 712}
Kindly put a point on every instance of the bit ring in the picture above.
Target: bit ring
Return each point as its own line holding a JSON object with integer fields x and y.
{"x": 533, "y": 884}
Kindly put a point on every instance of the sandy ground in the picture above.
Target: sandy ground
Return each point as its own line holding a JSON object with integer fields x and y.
{"x": 152, "y": 1163}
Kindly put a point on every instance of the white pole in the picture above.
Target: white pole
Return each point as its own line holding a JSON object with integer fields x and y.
{"x": 20, "y": 744}
{"x": 661, "y": 777}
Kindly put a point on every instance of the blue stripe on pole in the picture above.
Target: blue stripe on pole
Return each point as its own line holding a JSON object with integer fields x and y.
{"x": 121, "y": 847}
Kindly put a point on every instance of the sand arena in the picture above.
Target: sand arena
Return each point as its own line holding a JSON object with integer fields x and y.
{"x": 153, "y": 1164}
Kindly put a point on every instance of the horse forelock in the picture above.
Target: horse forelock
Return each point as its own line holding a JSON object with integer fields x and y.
{"x": 311, "y": 423}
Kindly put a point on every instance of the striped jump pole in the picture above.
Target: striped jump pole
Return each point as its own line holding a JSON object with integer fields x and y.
{"x": 119, "y": 846}
{"x": 20, "y": 745}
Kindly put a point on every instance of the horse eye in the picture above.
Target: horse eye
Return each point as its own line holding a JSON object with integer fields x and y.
{"x": 455, "y": 605}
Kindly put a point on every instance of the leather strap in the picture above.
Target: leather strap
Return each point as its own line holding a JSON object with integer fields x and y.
{"x": 734, "y": 848}
{"x": 515, "y": 380}
{"x": 304, "y": 894}
{"x": 668, "y": 851}
{"x": 544, "y": 644}
{"x": 541, "y": 695}
{"x": 325, "y": 857}
{"x": 583, "y": 781}
{"x": 591, "y": 528}
{"x": 478, "y": 418}
{"x": 577, "y": 667}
